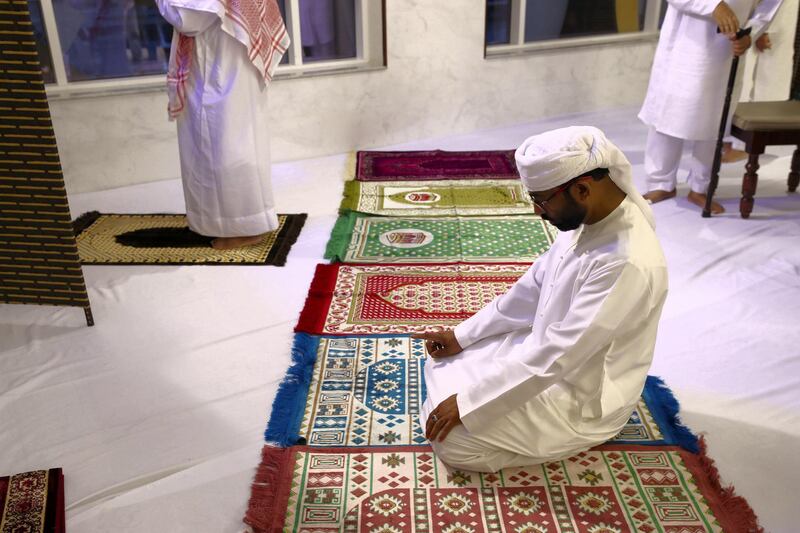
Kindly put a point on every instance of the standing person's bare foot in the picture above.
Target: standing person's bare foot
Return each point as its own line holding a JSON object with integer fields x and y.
{"x": 657, "y": 195}
{"x": 229, "y": 243}
{"x": 699, "y": 200}
{"x": 731, "y": 154}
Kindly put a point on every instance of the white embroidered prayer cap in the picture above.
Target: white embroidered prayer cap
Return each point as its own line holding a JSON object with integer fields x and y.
{"x": 554, "y": 157}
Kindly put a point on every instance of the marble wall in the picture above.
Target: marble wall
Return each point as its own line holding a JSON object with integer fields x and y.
{"x": 437, "y": 83}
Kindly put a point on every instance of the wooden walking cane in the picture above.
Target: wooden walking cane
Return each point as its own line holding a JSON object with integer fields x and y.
{"x": 712, "y": 186}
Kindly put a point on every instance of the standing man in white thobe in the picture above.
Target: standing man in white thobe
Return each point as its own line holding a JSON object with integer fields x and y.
{"x": 687, "y": 88}
{"x": 557, "y": 364}
{"x": 223, "y": 55}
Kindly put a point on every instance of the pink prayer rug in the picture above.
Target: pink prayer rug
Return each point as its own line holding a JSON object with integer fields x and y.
{"x": 436, "y": 165}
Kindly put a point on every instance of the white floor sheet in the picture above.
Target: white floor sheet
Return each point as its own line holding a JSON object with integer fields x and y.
{"x": 156, "y": 414}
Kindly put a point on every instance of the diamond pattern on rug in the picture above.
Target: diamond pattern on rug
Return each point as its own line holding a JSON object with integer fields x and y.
{"x": 607, "y": 489}
{"x": 368, "y": 391}
{"x": 437, "y": 198}
{"x": 364, "y": 299}
{"x": 436, "y": 165}
{"x": 366, "y": 239}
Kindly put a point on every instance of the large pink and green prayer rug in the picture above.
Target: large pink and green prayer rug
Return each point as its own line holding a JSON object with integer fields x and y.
{"x": 609, "y": 489}
{"x": 435, "y": 165}
{"x": 437, "y": 198}
{"x": 365, "y": 299}
{"x": 358, "y": 238}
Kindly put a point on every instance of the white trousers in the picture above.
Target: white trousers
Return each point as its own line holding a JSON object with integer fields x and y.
{"x": 533, "y": 433}
{"x": 477, "y": 453}
{"x": 662, "y": 156}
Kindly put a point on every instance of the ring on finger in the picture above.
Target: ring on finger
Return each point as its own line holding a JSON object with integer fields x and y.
{"x": 434, "y": 418}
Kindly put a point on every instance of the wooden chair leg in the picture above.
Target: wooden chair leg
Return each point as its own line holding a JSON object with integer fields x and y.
{"x": 794, "y": 173}
{"x": 89, "y": 317}
{"x": 749, "y": 186}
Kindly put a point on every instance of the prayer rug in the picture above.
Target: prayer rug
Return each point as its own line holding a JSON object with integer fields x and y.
{"x": 609, "y": 489}
{"x": 437, "y": 198}
{"x": 164, "y": 239}
{"x": 436, "y": 165}
{"x": 366, "y": 239}
{"x": 363, "y": 299}
{"x": 368, "y": 391}
{"x": 32, "y": 502}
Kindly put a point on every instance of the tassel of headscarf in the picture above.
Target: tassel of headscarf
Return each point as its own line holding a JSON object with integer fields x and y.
{"x": 178, "y": 73}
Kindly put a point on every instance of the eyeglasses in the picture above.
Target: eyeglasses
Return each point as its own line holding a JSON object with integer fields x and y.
{"x": 542, "y": 204}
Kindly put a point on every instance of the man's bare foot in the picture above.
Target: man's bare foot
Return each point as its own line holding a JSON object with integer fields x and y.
{"x": 229, "y": 243}
{"x": 731, "y": 154}
{"x": 657, "y": 195}
{"x": 699, "y": 200}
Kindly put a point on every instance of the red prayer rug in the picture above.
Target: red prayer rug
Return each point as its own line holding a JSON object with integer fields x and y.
{"x": 436, "y": 165}
{"x": 609, "y": 489}
{"x": 362, "y": 299}
{"x": 32, "y": 502}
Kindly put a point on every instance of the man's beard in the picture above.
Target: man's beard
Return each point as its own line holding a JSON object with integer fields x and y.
{"x": 571, "y": 217}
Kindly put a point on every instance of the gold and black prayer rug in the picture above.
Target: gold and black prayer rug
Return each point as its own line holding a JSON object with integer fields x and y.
{"x": 165, "y": 239}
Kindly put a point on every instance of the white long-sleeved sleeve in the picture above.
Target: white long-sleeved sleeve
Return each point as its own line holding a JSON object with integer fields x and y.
{"x": 189, "y": 22}
{"x": 513, "y": 310}
{"x": 614, "y": 297}
{"x": 702, "y": 8}
{"x": 762, "y": 16}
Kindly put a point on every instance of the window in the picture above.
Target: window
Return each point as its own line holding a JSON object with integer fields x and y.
{"x": 107, "y": 45}
{"x": 334, "y": 35}
{"x": 42, "y": 46}
{"x": 102, "y": 39}
{"x": 519, "y": 25}
{"x": 498, "y": 22}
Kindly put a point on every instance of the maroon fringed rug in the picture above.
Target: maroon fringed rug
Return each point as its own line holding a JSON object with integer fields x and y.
{"x": 436, "y": 165}
{"x": 365, "y": 299}
{"x": 32, "y": 502}
{"x": 609, "y": 489}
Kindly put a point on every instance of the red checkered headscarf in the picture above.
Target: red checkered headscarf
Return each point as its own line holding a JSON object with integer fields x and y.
{"x": 257, "y": 24}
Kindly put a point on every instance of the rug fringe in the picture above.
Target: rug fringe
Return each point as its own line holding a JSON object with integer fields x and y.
{"x": 287, "y": 238}
{"x": 741, "y": 516}
{"x": 350, "y": 194}
{"x": 350, "y": 166}
{"x": 665, "y": 410}
{"x": 318, "y": 300}
{"x": 290, "y": 401}
{"x": 336, "y": 248}
{"x": 264, "y": 510}
{"x": 84, "y": 221}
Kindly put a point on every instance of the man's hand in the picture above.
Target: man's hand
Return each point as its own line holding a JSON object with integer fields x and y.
{"x": 442, "y": 419}
{"x": 726, "y": 20}
{"x": 763, "y": 42}
{"x": 440, "y": 343}
{"x": 740, "y": 46}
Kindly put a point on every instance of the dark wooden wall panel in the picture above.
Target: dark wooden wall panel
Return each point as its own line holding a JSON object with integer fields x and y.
{"x": 39, "y": 261}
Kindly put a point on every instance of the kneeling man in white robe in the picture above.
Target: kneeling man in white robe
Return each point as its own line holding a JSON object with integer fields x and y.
{"x": 223, "y": 55}
{"x": 557, "y": 364}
